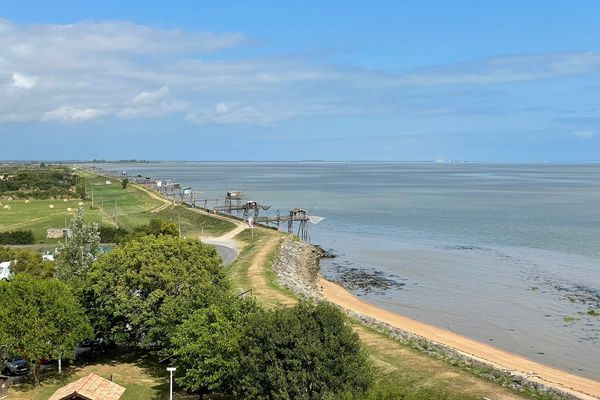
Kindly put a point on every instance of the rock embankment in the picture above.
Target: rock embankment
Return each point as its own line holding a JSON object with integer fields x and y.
{"x": 297, "y": 267}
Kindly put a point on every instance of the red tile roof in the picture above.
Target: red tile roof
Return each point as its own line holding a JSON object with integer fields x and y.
{"x": 91, "y": 387}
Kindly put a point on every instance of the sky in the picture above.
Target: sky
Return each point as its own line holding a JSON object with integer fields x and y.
{"x": 505, "y": 81}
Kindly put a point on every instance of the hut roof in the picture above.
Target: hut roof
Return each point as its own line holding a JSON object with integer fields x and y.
{"x": 91, "y": 387}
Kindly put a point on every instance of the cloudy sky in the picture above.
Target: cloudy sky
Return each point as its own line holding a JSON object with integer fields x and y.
{"x": 260, "y": 80}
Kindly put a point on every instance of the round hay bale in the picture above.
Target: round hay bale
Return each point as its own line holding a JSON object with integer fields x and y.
{"x": 27, "y": 201}
{"x": 69, "y": 209}
{"x": 65, "y": 200}
{"x": 6, "y": 207}
{"x": 51, "y": 205}
{"x": 80, "y": 203}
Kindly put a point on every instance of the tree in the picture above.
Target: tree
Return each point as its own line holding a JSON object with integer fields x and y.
{"x": 40, "y": 319}
{"x": 78, "y": 251}
{"x": 207, "y": 344}
{"x": 26, "y": 261}
{"x": 158, "y": 227}
{"x": 139, "y": 292}
{"x": 303, "y": 352}
{"x": 124, "y": 183}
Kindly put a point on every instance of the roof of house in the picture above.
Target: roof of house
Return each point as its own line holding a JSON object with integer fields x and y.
{"x": 91, "y": 387}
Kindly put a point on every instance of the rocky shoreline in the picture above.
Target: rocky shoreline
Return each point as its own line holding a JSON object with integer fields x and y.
{"x": 297, "y": 269}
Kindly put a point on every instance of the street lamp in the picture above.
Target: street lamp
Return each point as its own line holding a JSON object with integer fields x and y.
{"x": 171, "y": 370}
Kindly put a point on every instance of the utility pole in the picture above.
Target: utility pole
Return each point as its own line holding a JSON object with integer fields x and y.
{"x": 116, "y": 217}
{"x": 92, "y": 196}
{"x": 179, "y": 219}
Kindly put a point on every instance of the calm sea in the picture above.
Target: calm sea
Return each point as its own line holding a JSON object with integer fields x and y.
{"x": 506, "y": 254}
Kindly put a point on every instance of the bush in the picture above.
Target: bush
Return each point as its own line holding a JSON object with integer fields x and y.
{"x": 108, "y": 234}
{"x": 124, "y": 183}
{"x": 303, "y": 352}
{"x": 158, "y": 227}
{"x": 17, "y": 237}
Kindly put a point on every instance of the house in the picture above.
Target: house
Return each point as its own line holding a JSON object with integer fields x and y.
{"x": 91, "y": 387}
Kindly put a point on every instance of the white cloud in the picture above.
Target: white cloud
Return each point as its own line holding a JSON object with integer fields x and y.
{"x": 151, "y": 97}
{"x": 23, "y": 81}
{"x": 584, "y": 134}
{"x": 114, "y": 69}
{"x": 73, "y": 114}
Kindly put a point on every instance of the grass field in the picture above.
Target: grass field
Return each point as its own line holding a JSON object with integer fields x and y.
{"x": 112, "y": 205}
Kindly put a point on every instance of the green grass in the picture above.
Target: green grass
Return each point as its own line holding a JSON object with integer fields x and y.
{"x": 194, "y": 223}
{"x": 37, "y": 215}
{"x": 131, "y": 206}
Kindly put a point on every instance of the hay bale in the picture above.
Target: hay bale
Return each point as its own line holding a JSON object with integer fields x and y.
{"x": 27, "y": 201}
{"x": 65, "y": 200}
{"x": 69, "y": 209}
{"x": 51, "y": 205}
{"x": 80, "y": 203}
{"x": 6, "y": 207}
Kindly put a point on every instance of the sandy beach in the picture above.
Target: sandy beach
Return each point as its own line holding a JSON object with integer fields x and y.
{"x": 580, "y": 387}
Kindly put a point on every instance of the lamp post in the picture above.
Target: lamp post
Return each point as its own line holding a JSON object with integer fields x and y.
{"x": 171, "y": 370}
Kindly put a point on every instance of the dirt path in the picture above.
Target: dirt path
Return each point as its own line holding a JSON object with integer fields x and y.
{"x": 582, "y": 387}
{"x": 257, "y": 274}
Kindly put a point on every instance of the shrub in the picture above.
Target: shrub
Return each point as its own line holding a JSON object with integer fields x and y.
{"x": 17, "y": 237}
{"x": 108, "y": 234}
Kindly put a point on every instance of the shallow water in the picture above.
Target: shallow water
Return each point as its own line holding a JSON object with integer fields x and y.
{"x": 506, "y": 254}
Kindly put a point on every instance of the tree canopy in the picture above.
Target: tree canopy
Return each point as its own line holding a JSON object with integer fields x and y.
{"x": 40, "y": 319}
{"x": 207, "y": 345}
{"x": 302, "y": 352}
{"x": 139, "y": 292}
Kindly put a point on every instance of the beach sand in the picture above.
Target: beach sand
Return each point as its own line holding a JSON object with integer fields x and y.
{"x": 580, "y": 387}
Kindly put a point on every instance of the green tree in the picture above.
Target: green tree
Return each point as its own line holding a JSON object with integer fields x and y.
{"x": 139, "y": 292}
{"x": 207, "y": 345}
{"x": 26, "y": 261}
{"x": 124, "y": 183}
{"x": 40, "y": 319}
{"x": 78, "y": 251}
{"x": 158, "y": 227}
{"x": 303, "y": 352}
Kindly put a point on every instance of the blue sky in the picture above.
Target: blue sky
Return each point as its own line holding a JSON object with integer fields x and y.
{"x": 464, "y": 80}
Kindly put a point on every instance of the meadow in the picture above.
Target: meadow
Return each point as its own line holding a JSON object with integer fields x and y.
{"x": 107, "y": 204}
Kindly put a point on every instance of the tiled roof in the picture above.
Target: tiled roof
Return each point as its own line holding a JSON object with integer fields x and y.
{"x": 91, "y": 387}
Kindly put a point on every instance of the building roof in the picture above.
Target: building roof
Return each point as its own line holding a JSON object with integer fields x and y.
{"x": 91, "y": 387}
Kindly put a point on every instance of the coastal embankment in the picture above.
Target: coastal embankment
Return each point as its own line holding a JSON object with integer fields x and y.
{"x": 297, "y": 268}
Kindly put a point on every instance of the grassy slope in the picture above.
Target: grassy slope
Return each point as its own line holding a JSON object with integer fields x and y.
{"x": 134, "y": 207}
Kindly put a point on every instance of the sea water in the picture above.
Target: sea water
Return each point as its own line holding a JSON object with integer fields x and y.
{"x": 505, "y": 254}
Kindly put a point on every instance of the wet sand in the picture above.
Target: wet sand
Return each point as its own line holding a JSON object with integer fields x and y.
{"x": 579, "y": 386}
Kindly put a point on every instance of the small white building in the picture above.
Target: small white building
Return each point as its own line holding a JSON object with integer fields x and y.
{"x": 5, "y": 273}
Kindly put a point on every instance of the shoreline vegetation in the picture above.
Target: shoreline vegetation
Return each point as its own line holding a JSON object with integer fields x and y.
{"x": 279, "y": 269}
